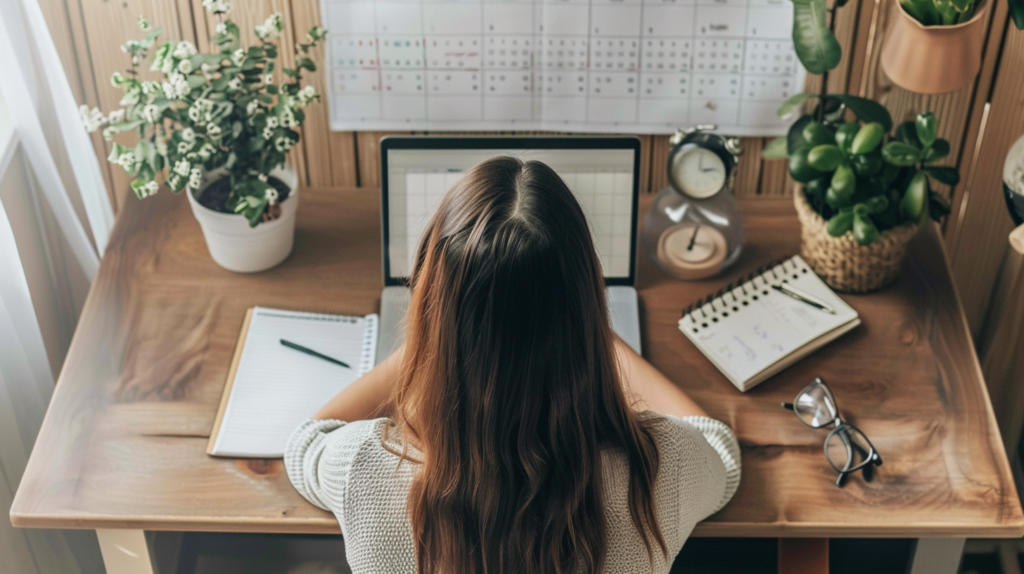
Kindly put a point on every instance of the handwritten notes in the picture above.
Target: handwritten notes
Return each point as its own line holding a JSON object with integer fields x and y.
{"x": 753, "y": 331}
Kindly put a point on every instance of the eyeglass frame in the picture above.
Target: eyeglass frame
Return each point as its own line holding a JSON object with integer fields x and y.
{"x": 871, "y": 457}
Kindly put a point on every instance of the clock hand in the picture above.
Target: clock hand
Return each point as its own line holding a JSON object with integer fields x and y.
{"x": 693, "y": 238}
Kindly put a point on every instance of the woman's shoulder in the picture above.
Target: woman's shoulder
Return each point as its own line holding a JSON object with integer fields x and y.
{"x": 667, "y": 428}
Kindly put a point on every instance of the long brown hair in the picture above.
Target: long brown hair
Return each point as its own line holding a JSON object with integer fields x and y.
{"x": 509, "y": 387}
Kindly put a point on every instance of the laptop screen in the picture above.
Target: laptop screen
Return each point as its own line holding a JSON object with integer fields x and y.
{"x": 604, "y": 180}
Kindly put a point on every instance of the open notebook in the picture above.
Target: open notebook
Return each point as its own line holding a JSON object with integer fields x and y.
{"x": 272, "y": 388}
{"x": 751, "y": 331}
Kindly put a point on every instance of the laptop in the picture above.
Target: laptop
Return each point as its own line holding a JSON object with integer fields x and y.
{"x": 603, "y": 173}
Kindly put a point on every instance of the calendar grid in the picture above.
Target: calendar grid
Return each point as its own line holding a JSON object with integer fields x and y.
{"x": 589, "y": 65}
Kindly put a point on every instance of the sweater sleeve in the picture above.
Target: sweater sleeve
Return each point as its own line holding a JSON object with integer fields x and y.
{"x": 302, "y": 460}
{"x": 724, "y": 448}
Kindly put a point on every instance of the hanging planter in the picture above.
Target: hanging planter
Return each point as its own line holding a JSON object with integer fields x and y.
{"x": 933, "y": 59}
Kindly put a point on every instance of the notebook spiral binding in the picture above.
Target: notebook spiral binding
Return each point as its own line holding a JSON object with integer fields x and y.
{"x": 739, "y": 283}
{"x": 369, "y": 351}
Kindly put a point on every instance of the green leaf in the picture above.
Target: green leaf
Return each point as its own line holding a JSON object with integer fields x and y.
{"x": 815, "y": 133}
{"x": 792, "y": 105}
{"x": 907, "y": 133}
{"x": 117, "y": 151}
{"x": 913, "y": 200}
{"x": 867, "y": 138}
{"x": 794, "y": 137}
{"x": 815, "y": 44}
{"x": 1017, "y": 12}
{"x": 866, "y": 110}
{"x": 844, "y": 182}
{"x": 840, "y": 224}
{"x": 946, "y": 175}
{"x": 817, "y": 187}
{"x": 776, "y": 149}
{"x": 845, "y": 135}
{"x": 939, "y": 150}
{"x": 877, "y": 204}
{"x": 923, "y": 11}
{"x": 836, "y": 198}
{"x": 867, "y": 165}
{"x": 926, "y": 128}
{"x": 825, "y": 157}
{"x": 901, "y": 154}
{"x": 864, "y": 230}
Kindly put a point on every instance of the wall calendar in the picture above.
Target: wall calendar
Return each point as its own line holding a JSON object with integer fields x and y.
{"x": 635, "y": 66}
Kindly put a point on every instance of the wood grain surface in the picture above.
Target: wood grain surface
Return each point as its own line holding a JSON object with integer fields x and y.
{"x": 122, "y": 445}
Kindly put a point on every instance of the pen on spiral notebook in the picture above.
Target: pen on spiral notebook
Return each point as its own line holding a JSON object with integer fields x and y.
{"x": 805, "y": 297}
{"x": 313, "y": 353}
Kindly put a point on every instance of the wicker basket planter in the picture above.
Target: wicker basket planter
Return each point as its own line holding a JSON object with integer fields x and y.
{"x": 841, "y": 262}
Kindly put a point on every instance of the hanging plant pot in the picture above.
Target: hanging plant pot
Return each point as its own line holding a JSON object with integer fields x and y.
{"x": 236, "y": 246}
{"x": 844, "y": 264}
{"x": 933, "y": 59}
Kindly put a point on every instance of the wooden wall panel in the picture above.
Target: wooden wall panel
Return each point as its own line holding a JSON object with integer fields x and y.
{"x": 980, "y": 245}
{"x": 64, "y": 19}
{"x": 330, "y": 156}
{"x": 978, "y": 115}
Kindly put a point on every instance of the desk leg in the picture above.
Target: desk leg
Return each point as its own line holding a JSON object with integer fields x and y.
{"x": 937, "y": 556}
{"x": 125, "y": 551}
{"x": 803, "y": 556}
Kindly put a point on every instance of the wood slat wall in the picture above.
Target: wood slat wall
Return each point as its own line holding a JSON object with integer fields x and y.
{"x": 88, "y": 34}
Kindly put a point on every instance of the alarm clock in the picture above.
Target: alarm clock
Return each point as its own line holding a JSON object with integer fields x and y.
{"x": 693, "y": 230}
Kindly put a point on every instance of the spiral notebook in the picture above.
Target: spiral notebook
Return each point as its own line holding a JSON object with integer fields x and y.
{"x": 272, "y": 388}
{"x": 751, "y": 331}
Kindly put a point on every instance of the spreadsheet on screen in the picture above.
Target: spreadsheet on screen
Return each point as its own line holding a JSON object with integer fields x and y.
{"x": 601, "y": 180}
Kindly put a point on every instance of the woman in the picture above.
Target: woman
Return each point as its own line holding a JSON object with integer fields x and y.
{"x": 514, "y": 435}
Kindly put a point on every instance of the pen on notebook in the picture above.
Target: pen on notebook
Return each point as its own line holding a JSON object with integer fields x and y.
{"x": 302, "y": 349}
{"x": 805, "y": 297}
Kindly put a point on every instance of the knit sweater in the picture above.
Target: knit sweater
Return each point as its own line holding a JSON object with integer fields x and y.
{"x": 343, "y": 467}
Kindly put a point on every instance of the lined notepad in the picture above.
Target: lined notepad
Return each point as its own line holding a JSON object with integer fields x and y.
{"x": 750, "y": 331}
{"x": 272, "y": 388}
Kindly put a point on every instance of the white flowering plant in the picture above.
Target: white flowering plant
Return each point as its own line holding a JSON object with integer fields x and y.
{"x": 216, "y": 110}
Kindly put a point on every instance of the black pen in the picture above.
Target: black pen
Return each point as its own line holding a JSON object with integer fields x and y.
{"x": 291, "y": 345}
{"x": 805, "y": 297}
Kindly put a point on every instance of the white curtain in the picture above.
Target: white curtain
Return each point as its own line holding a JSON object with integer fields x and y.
{"x": 55, "y": 219}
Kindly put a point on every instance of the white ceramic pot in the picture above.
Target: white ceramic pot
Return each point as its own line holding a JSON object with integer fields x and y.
{"x": 237, "y": 247}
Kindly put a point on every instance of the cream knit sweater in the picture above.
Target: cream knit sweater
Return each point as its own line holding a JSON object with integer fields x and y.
{"x": 342, "y": 467}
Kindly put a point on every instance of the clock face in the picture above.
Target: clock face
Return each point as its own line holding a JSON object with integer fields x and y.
{"x": 698, "y": 172}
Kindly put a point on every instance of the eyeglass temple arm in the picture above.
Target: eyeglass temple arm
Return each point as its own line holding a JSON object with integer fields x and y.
{"x": 789, "y": 406}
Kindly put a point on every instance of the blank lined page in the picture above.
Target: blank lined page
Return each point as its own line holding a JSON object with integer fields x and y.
{"x": 275, "y": 387}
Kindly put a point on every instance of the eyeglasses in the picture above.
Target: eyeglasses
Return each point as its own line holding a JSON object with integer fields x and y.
{"x": 847, "y": 449}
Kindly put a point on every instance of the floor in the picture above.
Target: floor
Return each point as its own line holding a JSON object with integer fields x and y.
{"x": 277, "y": 554}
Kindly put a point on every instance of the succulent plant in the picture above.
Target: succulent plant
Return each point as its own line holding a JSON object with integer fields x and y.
{"x": 855, "y": 174}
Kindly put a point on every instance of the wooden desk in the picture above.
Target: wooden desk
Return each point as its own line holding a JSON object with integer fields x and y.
{"x": 122, "y": 445}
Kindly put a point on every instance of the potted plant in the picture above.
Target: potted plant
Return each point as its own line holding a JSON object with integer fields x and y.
{"x": 219, "y": 127}
{"x": 934, "y": 46}
{"x": 865, "y": 191}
